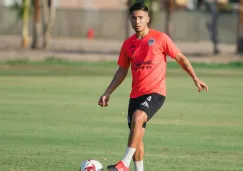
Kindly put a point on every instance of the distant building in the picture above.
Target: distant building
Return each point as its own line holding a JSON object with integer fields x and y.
{"x": 87, "y": 4}
{"x": 92, "y": 4}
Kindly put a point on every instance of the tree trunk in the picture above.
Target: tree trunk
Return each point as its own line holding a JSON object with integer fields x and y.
{"x": 128, "y": 24}
{"x": 168, "y": 14}
{"x": 240, "y": 30}
{"x": 36, "y": 25}
{"x": 151, "y": 13}
{"x": 25, "y": 24}
{"x": 50, "y": 12}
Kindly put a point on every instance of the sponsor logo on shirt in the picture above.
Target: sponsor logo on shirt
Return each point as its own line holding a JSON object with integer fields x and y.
{"x": 142, "y": 65}
{"x": 151, "y": 42}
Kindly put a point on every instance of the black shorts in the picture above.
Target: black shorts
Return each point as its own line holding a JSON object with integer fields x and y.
{"x": 149, "y": 103}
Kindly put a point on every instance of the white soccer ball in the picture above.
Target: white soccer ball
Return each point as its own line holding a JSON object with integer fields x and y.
{"x": 91, "y": 165}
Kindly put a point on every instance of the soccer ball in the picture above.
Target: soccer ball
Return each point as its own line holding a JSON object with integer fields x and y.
{"x": 91, "y": 165}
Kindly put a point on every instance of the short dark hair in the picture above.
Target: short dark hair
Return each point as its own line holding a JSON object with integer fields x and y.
{"x": 138, "y": 6}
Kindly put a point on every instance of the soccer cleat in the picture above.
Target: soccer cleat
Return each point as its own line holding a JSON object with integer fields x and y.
{"x": 118, "y": 167}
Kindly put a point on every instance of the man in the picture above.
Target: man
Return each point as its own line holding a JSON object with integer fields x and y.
{"x": 213, "y": 24}
{"x": 146, "y": 52}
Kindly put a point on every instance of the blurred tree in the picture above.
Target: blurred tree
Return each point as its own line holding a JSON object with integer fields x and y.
{"x": 169, "y": 8}
{"x": 240, "y": 29}
{"x": 128, "y": 26}
{"x": 25, "y": 23}
{"x": 49, "y": 16}
{"x": 23, "y": 11}
{"x": 36, "y": 24}
{"x": 212, "y": 25}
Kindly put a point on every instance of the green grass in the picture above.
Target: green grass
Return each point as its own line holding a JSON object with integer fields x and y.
{"x": 59, "y": 67}
{"x": 62, "y": 62}
{"x": 51, "y": 121}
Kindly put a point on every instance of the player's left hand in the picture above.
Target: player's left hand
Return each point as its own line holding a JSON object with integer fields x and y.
{"x": 200, "y": 85}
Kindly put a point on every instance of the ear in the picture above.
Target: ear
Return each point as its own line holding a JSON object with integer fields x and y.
{"x": 148, "y": 19}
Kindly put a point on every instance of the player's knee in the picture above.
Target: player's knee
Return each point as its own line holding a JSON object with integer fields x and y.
{"x": 139, "y": 117}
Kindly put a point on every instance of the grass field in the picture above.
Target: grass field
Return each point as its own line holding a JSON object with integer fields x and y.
{"x": 50, "y": 120}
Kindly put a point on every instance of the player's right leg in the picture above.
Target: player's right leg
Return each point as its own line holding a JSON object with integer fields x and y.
{"x": 137, "y": 130}
{"x": 138, "y": 156}
{"x": 130, "y": 151}
{"x": 134, "y": 141}
{"x": 139, "y": 153}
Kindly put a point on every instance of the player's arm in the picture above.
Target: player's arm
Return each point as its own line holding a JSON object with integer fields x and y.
{"x": 186, "y": 65}
{"x": 121, "y": 73}
{"x": 118, "y": 78}
{"x": 169, "y": 47}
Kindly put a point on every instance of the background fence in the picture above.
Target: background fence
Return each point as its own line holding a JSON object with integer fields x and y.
{"x": 186, "y": 25}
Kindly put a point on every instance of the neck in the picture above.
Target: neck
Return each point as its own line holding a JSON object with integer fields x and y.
{"x": 143, "y": 33}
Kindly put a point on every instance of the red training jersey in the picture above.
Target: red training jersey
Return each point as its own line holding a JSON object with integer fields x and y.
{"x": 147, "y": 57}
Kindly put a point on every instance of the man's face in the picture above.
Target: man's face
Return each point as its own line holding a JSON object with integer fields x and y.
{"x": 139, "y": 20}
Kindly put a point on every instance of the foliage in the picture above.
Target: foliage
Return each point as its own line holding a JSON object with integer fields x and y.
{"x": 18, "y": 8}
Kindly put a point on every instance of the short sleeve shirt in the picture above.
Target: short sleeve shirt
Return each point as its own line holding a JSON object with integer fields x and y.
{"x": 147, "y": 57}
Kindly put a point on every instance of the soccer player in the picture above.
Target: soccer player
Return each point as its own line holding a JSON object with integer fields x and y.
{"x": 213, "y": 24}
{"x": 146, "y": 52}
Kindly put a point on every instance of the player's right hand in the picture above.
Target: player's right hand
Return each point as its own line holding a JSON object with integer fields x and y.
{"x": 103, "y": 101}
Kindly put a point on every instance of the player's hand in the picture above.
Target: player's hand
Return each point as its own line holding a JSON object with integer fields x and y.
{"x": 200, "y": 85}
{"x": 103, "y": 101}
